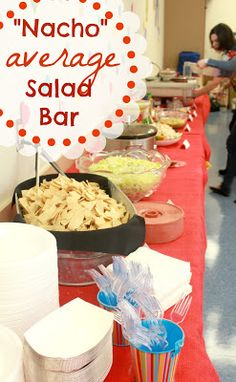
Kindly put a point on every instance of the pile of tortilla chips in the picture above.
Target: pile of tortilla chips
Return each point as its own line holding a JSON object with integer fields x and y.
{"x": 63, "y": 204}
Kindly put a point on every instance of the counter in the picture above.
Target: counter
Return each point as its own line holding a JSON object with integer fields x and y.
{"x": 170, "y": 88}
{"x": 185, "y": 186}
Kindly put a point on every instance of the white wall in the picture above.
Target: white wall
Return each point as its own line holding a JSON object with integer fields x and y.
{"x": 14, "y": 168}
{"x": 154, "y": 30}
{"x": 8, "y": 173}
{"x": 218, "y": 11}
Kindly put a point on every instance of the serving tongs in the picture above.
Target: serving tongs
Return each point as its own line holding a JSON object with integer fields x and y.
{"x": 52, "y": 163}
{"x": 40, "y": 152}
{"x": 18, "y": 217}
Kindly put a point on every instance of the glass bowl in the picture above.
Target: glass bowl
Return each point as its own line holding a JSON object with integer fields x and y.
{"x": 136, "y": 172}
{"x": 174, "y": 118}
{"x": 73, "y": 266}
{"x": 167, "y": 74}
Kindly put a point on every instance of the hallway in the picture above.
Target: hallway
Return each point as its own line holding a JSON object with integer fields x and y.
{"x": 220, "y": 274}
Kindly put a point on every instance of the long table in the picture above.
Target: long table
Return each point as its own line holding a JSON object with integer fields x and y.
{"x": 185, "y": 186}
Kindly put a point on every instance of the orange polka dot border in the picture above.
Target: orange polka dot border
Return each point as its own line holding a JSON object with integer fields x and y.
{"x": 23, "y": 5}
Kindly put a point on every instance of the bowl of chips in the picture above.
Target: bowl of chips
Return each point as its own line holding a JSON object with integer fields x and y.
{"x": 137, "y": 172}
{"x": 173, "y": 118}
{"x": 89, "y": 216}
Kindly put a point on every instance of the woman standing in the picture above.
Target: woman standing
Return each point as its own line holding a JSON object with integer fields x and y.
{"x": 222, "y": 39}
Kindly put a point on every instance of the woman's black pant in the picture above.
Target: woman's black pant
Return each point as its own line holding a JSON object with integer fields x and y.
{"x": 231, "y": 156}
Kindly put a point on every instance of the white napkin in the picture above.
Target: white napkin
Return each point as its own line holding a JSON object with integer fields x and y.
{"x": 175, "y": 296}
{"x": 95, "y": 371}
{"x": 70, "y": 331}
{"x": 171, "y": 277}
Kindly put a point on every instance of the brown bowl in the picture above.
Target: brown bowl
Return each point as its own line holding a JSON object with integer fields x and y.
{"x": 164, "y": 222}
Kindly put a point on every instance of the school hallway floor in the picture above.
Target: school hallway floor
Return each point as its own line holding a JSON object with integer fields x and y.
{"x": 220, "y": 273}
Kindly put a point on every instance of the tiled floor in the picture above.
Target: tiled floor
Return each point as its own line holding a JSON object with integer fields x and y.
{"x": 220, "y": 275}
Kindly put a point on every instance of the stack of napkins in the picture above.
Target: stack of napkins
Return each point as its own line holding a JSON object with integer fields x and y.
{"x": 28, "y": 275}
{"x": 171, "y": 277}
{"x": 71, "y": 344}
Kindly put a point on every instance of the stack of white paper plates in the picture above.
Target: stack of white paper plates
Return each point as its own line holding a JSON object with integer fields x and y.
{"x": 28, "y": 275}
{"x": 73, "y": 343}
{"x": 11, "y": 356}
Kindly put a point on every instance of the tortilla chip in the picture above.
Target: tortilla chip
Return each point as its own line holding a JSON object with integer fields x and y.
{"x": 63, "y": 204}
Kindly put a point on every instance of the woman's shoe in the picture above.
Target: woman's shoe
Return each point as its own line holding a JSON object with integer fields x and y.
{"x": 219, "y": 190}
{"x": 222, "y": 171}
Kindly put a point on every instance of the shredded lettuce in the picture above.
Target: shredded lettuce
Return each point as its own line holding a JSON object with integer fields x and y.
{"x": 136, "y": 177}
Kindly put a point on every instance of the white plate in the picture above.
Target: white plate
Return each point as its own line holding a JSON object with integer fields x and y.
{"x": 11, "y": 356}
{"x": 167, "y": 142}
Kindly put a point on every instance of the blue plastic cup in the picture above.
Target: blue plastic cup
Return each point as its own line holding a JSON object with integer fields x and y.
{"x": 106, "y": 303}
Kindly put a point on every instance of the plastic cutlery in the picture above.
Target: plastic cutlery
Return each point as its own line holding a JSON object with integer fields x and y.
{"x": 180, "y": 309}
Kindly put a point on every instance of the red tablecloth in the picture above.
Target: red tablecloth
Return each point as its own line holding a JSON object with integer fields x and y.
{"x": 198, "y": 124}
{"x": 185, "y": 187}
{"x": 203, "y": 105}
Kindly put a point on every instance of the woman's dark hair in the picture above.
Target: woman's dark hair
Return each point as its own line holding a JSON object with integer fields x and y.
{"x": 225, "y": 36}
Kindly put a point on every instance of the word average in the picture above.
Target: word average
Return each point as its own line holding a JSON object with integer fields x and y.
{"x": 64, "y": 58}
